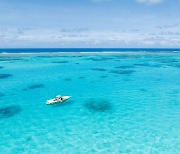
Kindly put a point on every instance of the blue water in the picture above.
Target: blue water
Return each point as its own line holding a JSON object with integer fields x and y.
{"x": 34, "y": 50}
{"x": 122, "y": 103}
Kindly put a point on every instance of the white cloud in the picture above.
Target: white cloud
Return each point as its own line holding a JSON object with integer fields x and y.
{"x": 87, "y": 38}
{"x": 97, "y": 1}
{"x": 149, "y": 2}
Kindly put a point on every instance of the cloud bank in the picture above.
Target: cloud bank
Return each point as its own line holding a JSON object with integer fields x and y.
{"x": 149, "y": 2}
{"x": 84, "y": 37}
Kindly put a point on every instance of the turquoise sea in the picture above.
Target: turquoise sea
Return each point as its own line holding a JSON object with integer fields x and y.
{"x": 123, "y": 102}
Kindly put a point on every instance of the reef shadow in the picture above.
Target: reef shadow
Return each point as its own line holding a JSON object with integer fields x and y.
{"x": 10, "y": 59}
{"x": 60, "y": 62}
{"x": 4, "y": 76}
{"x": 175, "y": 65}
{"x": 10, "y": 111}
{"x": 98, "y": 105}
{"x": 121, "y": 72}
{"x": 124, "y": 67}
{"x": 67, "y": 79}
{"x": 35, "y": 86}
{"x": 82, "y": 77}
{"x": 2, "y": 95}
{"x": 127, "y": 56}
{"x": 168, "y": 61}
{"x": 99, "y": 69}
{"x": 99, "y": 59}
{"x": 142, "y": 64}
{"x": 103, "y": 76}
{"x": 143, "y": 90}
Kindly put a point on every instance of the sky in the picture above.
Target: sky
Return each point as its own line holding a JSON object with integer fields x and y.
{"x": 89, "y": 23}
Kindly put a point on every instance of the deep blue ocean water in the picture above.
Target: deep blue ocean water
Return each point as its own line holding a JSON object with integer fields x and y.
{"x": 121, "y": 103}
{"x": 34, "y": 50}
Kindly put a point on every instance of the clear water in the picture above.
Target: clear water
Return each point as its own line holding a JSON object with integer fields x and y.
{"x": 123, "y": 103}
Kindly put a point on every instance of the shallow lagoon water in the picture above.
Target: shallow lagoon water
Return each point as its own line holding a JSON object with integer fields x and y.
{"x": 124, "y": 103}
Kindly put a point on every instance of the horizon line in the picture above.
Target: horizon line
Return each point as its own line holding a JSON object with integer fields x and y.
{"x": 92, "y": 48}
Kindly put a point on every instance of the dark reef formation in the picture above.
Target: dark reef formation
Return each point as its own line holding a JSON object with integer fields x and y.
{"x": 142, "y": 64}
{"x": 143, "y": 90}
{"x": 67, "y": 79}
{"x": 10, "y": 58}
{"x": 82, "y": 77}
{"x": 1, "y": 94}
{"x": 98, "y": 105}
{"x": 124, "y": 67}
{"x": 99, "y": 69}
{"x": 10, "y": 111}
{"x": 168, "y": 60}
{"x": 103, "y": 76}
{"x": 99, "y": 59}
{"x": 121, "y": 72}
{"x": 60, "y": 62}
{"x": 35, "y": 86}
{"x": 4, "y": 76}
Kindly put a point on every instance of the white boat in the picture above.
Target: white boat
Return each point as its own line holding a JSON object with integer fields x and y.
{"x": 57, "y": 99}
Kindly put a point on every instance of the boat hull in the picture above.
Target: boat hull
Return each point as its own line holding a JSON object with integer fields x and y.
{"x": 52, "y": 101}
